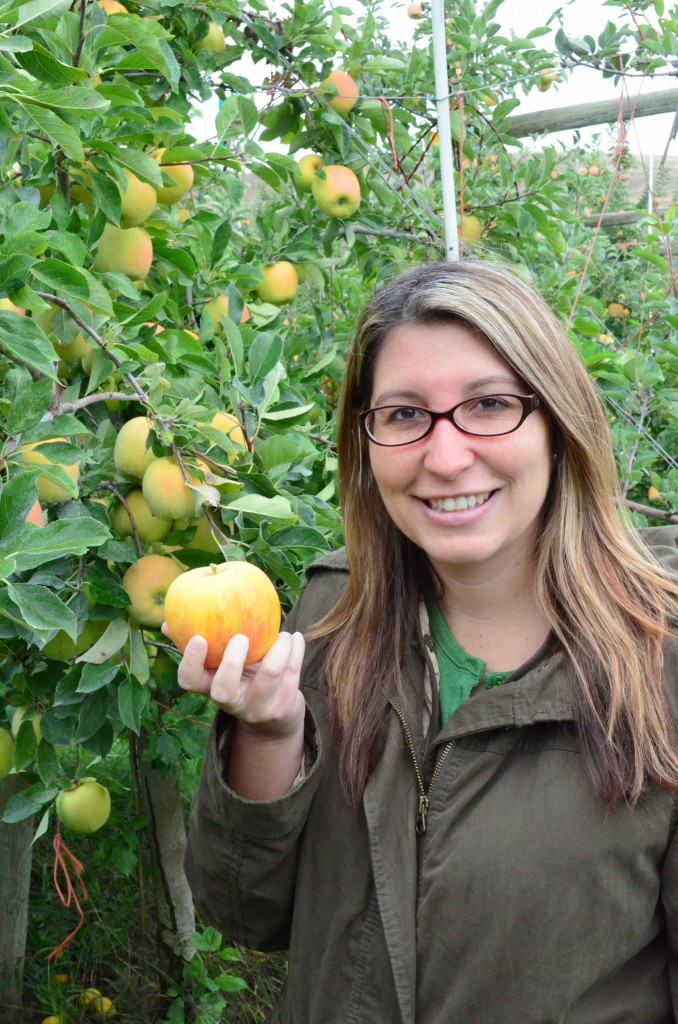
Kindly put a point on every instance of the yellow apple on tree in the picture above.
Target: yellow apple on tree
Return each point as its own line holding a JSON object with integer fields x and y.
{"x": 49, "y": 490}
{"x": 182, "y": 176}
{"x": 308, "y": 165}
{"x": 138, "y": 201}
{"x": 229, "y": 425}
{"x": 149, "y": 527}
{"x": 167, "y": 494}
{"x": 6, "y": 753}
{"x": 124, "y": 251}
{"x": 35, "y": 514}
{"x": 414, "y": 11}
{"x": 146, "y": 583}
{"x": 336, "y": 190}
{"x": 547, "y": 78}
{"x": 471, "y": 229}
{"x": 132, "y": 453}
{"x": 213, "y": 40}
{"x": 32, "y": 716}
{"x": 218, "y": 307}
{"x": 113, "y": 6}
{"x": 74, "y": 349}
{"x": 62, "y": 648}
{"x": 218, "y": 601}
{"x": 9, "y": 305}
{"x": 347, "y": 94}
{"x": 280, "y": 283}
{"x": 85, "y": 807}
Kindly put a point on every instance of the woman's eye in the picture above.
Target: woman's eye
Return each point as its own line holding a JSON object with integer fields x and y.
{"x": 405, "y": 414}
{"x": 491, "y": 404}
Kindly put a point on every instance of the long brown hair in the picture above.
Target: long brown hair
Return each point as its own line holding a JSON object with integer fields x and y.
{"x": 602, "y": 591}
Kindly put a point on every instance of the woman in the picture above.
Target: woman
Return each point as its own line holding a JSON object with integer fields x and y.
{"x": 458, "y": 804}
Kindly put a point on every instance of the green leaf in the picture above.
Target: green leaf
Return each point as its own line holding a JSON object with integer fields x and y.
{"x": 95, "y": 677}
{"x": 30, "y": 801}
{"x": 41, "y": 609}
{"x": 25, "y": 745}
{"x": 93, "y": 714}
{"x": 63, "y": 537}
{"x": 42, "y": 64}
{"x": 258, "y": 505}
{"x": 38, "y": 9}
{"x": 141, "y": 164}
{"x": 132, "y": 698}
{"x": 23, "y": 340}
{"x": 29, "y": 405}
{"x": 48, "y": 763}
{"x": 106, "y": 196}
{"x": 115, "y": 637}
{"x": 264, "y": 353}
{"x": 61, "y": 278}
{"x": 60, "y": 133}
{"x": 16, "y": 499}
{"x": 143, "y": 36}
{"x": 139, "y": 666}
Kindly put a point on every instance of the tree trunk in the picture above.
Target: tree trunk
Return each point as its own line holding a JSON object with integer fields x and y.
{"x": 15, "y": 878}
{"x": 167, "y": 834}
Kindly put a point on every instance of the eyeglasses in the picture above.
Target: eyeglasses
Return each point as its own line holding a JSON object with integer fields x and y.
{"x": 485, "y": 416}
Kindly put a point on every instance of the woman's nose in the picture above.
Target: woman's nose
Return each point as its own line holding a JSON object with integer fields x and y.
{"x": 448, "y": 449}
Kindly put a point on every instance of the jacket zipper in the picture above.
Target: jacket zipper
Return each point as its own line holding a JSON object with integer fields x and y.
{"x": 424, "y": 794}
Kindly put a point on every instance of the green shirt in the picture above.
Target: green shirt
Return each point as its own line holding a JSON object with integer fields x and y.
{"x": 460, "y": 672}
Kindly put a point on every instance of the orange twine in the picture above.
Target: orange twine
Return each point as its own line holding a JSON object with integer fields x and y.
{"x": 61, "y": 855}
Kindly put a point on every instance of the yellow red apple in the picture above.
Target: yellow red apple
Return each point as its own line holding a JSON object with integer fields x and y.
{"x": 229, "y": 425}
{"x": 9, "y": 305}
{"x": 35, "y": 514}
{"x": 85, "y": 807}
{"x": 149, "y": 527}
{"x": 308, "y": 165}
{"x": 124, "y": 251}
{"x": 166, "y": 492}
{"x": 347, "y": 92}
{"x": 414, "y": 11}
{"x": 48, "y": 490}
{"x": 218, "y": 601}
{"x": 146, "y": 584}
{"x": 336, "y": 190}
{"x": 218, "y": 307}
{"x": 138, "y": 200}
{"x": 182, "y": 176}
{"x": 113, "y": 6}
{"x": 132, "y": 453}
{"x": 280, "y": 283}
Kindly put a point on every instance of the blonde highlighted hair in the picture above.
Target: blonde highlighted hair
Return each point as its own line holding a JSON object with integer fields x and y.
{"x": 606, "y": 598}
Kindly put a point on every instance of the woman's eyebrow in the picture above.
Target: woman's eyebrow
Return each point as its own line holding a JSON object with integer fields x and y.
{"x": 495, "y": 384}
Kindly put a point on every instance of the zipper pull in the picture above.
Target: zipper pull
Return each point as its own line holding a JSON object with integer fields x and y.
{"x": 421, "y": 816}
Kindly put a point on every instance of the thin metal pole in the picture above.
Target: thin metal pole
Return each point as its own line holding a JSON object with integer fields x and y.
{"x": 650, "y": 186}
{"x": 442, "y": 91}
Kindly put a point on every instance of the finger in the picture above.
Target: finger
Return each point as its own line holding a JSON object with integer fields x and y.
{"x": 165, "y": 630}
{"x": 228, "y": 680}
{"x": 192, "y": 674}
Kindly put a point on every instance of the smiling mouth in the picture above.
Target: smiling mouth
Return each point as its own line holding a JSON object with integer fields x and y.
{"x": 458, "y": 504}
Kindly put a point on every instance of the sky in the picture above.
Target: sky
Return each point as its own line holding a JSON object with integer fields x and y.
{"x": 647, "y": 135}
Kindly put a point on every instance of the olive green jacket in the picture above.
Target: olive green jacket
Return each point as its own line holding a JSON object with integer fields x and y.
{"x": 523, "y": 901}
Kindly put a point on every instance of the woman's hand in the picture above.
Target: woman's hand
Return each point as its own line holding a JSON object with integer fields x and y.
{"x": 265, "y": 697}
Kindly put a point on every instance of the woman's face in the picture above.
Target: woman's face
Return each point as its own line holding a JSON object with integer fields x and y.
{"x": 506, "y": 477}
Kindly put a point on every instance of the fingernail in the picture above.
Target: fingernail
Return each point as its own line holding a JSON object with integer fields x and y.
{"x": 239, "y": 642}
{"x": 196, "y": 645}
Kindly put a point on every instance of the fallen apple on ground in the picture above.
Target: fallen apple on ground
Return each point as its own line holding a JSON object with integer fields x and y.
{"x": 218, "y": 601}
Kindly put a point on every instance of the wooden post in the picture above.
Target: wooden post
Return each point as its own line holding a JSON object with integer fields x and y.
{"x": 15, "y": 877}
{"x": 598, "y": 112}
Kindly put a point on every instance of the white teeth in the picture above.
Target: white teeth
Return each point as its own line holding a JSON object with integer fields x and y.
{"x": 458, "y": 504}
